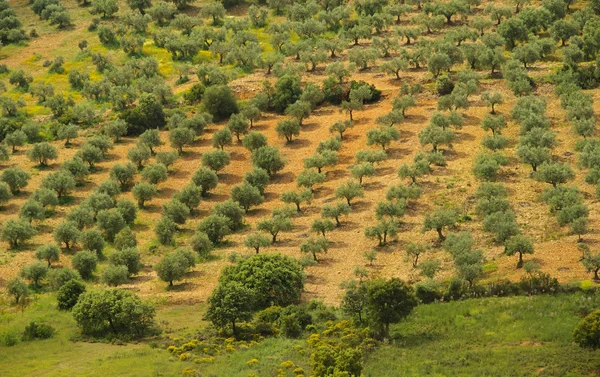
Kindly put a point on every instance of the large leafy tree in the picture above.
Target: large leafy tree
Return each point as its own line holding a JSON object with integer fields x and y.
{"x": 388, "y": 301}
{"x": 229, "y": 304}
{"x": 276, "y": 279}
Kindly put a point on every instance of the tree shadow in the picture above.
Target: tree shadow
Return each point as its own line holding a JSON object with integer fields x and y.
{"x": 310, "y": 126}
{"x": 237, "y": 156}
{"x": 283, "y": 178}
{"x": 385, "y": 171}
{"x": 372, "y": 186}
{"x": 165, "y": 193}
{"x": 337, "y": 174}
{"x": 229, "y": 178}
{"x": 258, "y": 212}
{"x": 297, "y": 144}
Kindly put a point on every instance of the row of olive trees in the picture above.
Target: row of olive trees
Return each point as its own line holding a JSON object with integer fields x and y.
{"x": 571, "y": 209}
{"x": 312, "y": 48}
{"x": 390, "y": 211}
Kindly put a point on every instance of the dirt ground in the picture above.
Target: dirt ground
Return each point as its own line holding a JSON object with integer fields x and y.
{"x": 555, "y": 249}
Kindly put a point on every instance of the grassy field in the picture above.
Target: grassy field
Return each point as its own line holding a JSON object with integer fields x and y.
{"x": 520, "y": 336}
{"x": 516, "y": 336}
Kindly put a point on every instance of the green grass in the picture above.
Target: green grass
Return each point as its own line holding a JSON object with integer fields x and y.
{"x": 269, "y": 353}
{"x": 59, "y": 356}
{"x": 517, "y": 336}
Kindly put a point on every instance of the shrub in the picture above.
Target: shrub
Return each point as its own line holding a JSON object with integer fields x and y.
{"x": 428, "y": 291}
{"x": 287, "y": 91}
{"x": 587, "y": 332}
{"x": 69, "y": 293}
{"x": 444, "y": 85}
{"x": 113, "y": 311}
{"x": 57, "y": 277}
{"x": 38, "y": 331}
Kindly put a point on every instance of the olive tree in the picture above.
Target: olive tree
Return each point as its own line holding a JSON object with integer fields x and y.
{"x": 275, "y": 225}
{"x": 257, "y": 241}
{"x": 314, "y": 246}
{"x": 216, "y": 159}
{"x": 246, "y": 195}
{"x": 85, "y": 262}
{"x": 143, "y": 192}
{"x": 440, "y": 219}
{"x": 335, "y": 211}
{"x": 42, "y": 153}
{"x": 206, "y": 179}
{"x": 66, "y": 232}
{"x": 269, "y": 159}
{"x": 349, "y": 191}
{"x": 49, "y": 253}
{"x": 216, "y": 227}
{"x": 518, "y": 244}
{"x": 288, "y": 128}
{"x": 16, "y": 178}
{"x": 123, "y": 173}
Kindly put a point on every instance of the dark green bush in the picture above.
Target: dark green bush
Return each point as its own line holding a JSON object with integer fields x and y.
{"x": 38, "y": 331}
{"x": 444, "y": 85}
{"x": 69, "y": 293}
{"x": 375, "y": 93}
